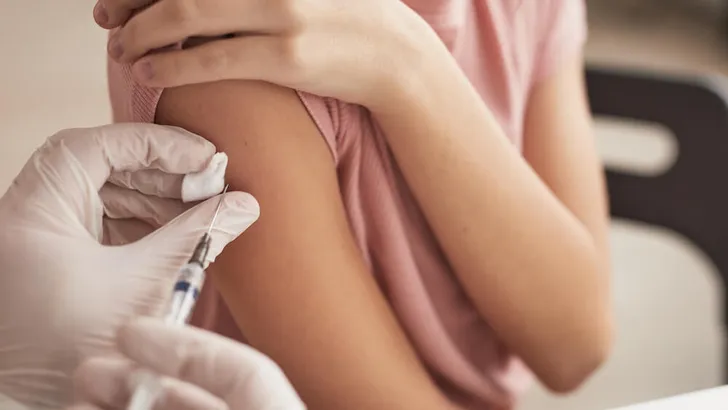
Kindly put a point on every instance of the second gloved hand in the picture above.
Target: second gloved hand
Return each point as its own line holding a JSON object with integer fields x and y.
{"x": 63, "y": 293}
{"x": 200, "y": 370}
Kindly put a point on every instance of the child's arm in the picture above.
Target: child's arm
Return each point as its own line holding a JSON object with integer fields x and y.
{"x": 528, "y": 243}
{"x": 295, "y": 282}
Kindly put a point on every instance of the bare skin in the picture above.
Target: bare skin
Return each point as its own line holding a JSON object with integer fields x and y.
{"x": 296, "y": 283}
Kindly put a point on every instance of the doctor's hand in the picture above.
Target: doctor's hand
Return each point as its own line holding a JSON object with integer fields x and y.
{"x": 64, "y": 287}
{"x": 200, "y": 370}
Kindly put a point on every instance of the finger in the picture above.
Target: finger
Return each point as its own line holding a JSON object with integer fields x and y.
{"x": 121, "y": 203}
{"x": 215, "y": 363}
{"x": 179, "y": 395}
{"x": 113, "y": 13}
{"x": 109, "y": 383}
{"x": 118, "y": 232}
{"x": 168, "y": 22}
{"x": 191, "y": 187}
{"x": 165, "y": 23}
{"x": 86, "y": 406}
{"x": 132, "y": 147}
{"x": 255, "y": 57}
{"x": 238, "y": 211}
{"x": 150, "y": 182}
{"x": 103, "y": 381}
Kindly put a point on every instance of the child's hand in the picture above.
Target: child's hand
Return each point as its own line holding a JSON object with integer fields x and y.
{"x": 353, "y": 50}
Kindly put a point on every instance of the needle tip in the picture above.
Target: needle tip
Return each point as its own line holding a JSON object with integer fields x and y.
{"x": 217, "y": 210}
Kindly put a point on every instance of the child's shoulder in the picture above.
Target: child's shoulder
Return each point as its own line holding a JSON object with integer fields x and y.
{"x": 552, "y": 30}
{"x": 544, "y": 8}
{"x": 541, "y": 16}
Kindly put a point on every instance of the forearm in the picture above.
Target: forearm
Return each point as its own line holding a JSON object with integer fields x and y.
{"x": 512, "y": 243}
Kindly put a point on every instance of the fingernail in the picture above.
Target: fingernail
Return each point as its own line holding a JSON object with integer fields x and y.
{"x": 115, "y": 47}
{"x": 100, "y": 13}
{"x": 144, "y": 70}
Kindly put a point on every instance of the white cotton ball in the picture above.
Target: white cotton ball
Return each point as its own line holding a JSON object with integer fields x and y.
{"x": 207, "y": 183}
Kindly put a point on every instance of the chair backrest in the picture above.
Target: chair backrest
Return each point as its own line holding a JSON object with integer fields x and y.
{"x": 691, "y": 198}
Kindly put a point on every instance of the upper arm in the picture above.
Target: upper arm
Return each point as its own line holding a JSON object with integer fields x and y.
{"x": 559, "y": 144}
{"x": 295, "y": 281}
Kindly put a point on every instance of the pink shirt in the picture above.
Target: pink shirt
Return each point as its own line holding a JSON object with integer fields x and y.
{"x": 504, "y": 47}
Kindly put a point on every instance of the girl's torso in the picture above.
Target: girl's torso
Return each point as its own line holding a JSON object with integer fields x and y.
{"x": 504, "y": 47}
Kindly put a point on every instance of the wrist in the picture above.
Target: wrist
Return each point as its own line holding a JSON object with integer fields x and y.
{"x": 417, "y": 83}
{"x": 414, "y": 54}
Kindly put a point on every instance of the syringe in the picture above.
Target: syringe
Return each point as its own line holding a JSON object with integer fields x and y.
{"x": 190, "y": 279}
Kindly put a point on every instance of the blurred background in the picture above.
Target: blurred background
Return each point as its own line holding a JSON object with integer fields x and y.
{"x": 668, "y": 291}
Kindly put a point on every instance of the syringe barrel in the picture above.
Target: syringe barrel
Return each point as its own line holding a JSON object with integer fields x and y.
{"x": 190, "y": 279}
{"x": 185, "y": 294}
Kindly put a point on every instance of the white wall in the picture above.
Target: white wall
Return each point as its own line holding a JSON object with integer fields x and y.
{"x": 52, "y": 75}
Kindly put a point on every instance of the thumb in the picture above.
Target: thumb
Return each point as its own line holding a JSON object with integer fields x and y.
{"x": 238, "y": 210}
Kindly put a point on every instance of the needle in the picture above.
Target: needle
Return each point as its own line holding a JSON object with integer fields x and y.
{"x": 203, "y": 246}
{"x": 217, "y": 211}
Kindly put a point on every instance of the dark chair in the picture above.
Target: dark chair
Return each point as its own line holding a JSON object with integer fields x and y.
{"x": 691, "y": 198}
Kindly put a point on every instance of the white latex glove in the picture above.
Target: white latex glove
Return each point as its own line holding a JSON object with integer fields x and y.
{"x": 202, "y": 371}
{"x": 63, "y": 294}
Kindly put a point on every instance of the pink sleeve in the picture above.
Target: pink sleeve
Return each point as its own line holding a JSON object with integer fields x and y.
{"x": 563, "y": 35}
{"x": 132, "y": 102}
{"x": 326, "y": 113}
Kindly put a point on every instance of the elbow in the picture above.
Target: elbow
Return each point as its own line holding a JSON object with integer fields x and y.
{"x": 588, "y": 339}
{"x": 568, "y": 377}
{"x": 572, "y": 367}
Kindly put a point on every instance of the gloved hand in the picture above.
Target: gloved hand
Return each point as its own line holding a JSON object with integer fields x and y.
{"x": 63, "y": 294}
{"x": 202, "y": 371}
